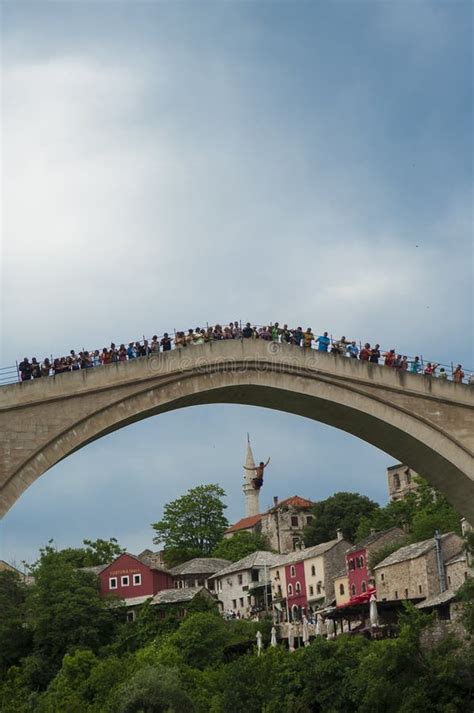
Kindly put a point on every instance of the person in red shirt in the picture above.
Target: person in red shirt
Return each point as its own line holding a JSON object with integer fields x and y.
{"x": 389, "y": 357}
{"x": 365, "y": 352}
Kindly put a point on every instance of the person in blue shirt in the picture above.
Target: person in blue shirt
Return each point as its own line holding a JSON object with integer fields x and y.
{"x": 323, "y": 342}
{"x": 352, "y": 350}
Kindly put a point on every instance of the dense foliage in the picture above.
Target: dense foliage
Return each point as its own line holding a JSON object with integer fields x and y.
{"x": 63, "y": 649}
{"x": 192, "y": 525}
{"x": 420, "y": 512}
{"x": 240, "y": 545}
{"x": 342, "y": 511}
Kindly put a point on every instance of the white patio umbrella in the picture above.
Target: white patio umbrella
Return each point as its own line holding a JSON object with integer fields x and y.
{"x": 319, "y": 625}
{"x": 374, "y": 615}
{"x": 273, "y": 640}
{"x": 291, "y": 636}
{"x": 305, "y": 631}
{"x": 330, "y": 629}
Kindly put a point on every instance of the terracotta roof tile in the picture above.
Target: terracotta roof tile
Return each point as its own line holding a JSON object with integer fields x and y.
{"x": 244, "y": 523}
{"x": 295, "y": 501}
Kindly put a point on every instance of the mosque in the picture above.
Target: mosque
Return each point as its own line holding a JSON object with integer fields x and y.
{"x": 283, "y": 523}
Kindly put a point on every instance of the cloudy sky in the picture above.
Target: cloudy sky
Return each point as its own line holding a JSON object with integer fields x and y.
{"x": 168, "y": 164}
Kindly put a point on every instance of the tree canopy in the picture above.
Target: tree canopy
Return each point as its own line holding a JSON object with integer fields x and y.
{"x": 240, "y": 545}
{"x": 420, "y": 512}
{"x": 341, "y": 511}
{"x": 192, "y": 525}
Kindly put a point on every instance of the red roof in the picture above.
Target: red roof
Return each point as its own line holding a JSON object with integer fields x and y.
{"x": 295, "y": 501}
{"x": 245, "y": 523}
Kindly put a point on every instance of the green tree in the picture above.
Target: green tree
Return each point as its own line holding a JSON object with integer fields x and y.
{"x": 94, "y": 553}
{"x": 192, "y": 525}
{"x": 201, "y": 639}
{"x": 65, "y": 612}
{"x": 15, "y": 638}
{"x": 421, "y": 512}
{"x": 240, "y": 545}
{"x": 340, "y": 511}
{"x": 155, "y": 689}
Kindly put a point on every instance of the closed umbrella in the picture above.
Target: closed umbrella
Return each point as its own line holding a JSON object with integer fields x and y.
{"x": 291, "y": 637}
{"x": 273, "y": 640}
{"x": 259, "y": 643}
{"x": 305, "y": 631}
{"x": 374, "y": 615}
{"x": 330, "y": 629}
{"x": 319, "y": 625}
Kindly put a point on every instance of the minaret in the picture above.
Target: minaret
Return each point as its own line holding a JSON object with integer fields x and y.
{"x": 252, "y": 505}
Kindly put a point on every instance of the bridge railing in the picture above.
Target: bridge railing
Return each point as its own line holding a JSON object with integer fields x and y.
{"x": 11, "y": 374}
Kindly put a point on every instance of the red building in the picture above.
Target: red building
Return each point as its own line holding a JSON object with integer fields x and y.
{"x": 360, "y": 577}
{"x": 128, "y": 577}
{"x": 295, "y": 588}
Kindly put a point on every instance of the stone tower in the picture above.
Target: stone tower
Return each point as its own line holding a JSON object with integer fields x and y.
{"x": 252, "y": 504}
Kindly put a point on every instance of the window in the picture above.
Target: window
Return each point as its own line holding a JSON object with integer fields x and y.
{"x": 279, "y": 590}
{"x": 112, "y": 582}
{"x": 353, "y": 590}
{"x": 210, "y": 585}
{"x": 137, "y": 579}
{"x": 234, "y": 603}
{"x": 290, "y": 590}
{"x": 396, "y": 481}
{"x": 294, "y": 521}
{"x": 292, "y": 571}
{"x": 396, "y": 594}
{"x": 318, "y": 587}
{"x": 296, "y": 542}
{"x": 309, "y": 520}
{"x": 249, "y": 600}
{"x": 240, "y": 578}
{"x": 277, "y": 574}
{"x": 201, "y": 583}
{"x": 420, "y": 588}
{"x": 255, "y": 576}
{"x": 406, "y": 593}
{"x": 241, "y": 601}
{"x": 351, "y": 564}
{"x": 313, "y": 570}
{"x": 311, "y": 590}
{"x": 361, "y": 561}
{"x": 130, "y": 616}
{"x": 408, "y": 475}
{"x": 364, "y": 587}
{"x": 449, "y": 579}
{"x": 298, "y": 588}
{"x": 382, "y": 577}
{"x": 125, "y": 580}
{"x": 341, "y": 589}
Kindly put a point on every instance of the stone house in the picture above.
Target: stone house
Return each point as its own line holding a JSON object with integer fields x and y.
{"x": 458, "y": 571}
{"x": 178, "y": 601}
{"x": 412, "y": 572}
{"x": 243, "y": 586}
{"x": 283, "y": 524}
{"x": 358, "y": 559}
{"x": 400, "y": 480}
{"x": 197, "y": 572}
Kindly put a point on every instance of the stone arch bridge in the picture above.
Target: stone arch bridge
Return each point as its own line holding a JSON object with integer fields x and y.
{"x": 425, "y": 423}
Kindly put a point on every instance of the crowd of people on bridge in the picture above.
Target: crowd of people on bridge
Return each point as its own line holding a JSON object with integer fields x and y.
{"x": 306, "y": 338}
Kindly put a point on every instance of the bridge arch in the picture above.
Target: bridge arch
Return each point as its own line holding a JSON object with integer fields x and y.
{"x": 423, "y": 423}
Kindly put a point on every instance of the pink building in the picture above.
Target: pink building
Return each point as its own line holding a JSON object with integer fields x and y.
{"x": 295, "y": 587}
{"x": 357, "y": 560}
{"x": 130, "y": 578}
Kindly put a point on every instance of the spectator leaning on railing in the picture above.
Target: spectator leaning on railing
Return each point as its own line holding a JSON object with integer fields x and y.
{"x": 194, "y": 337}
